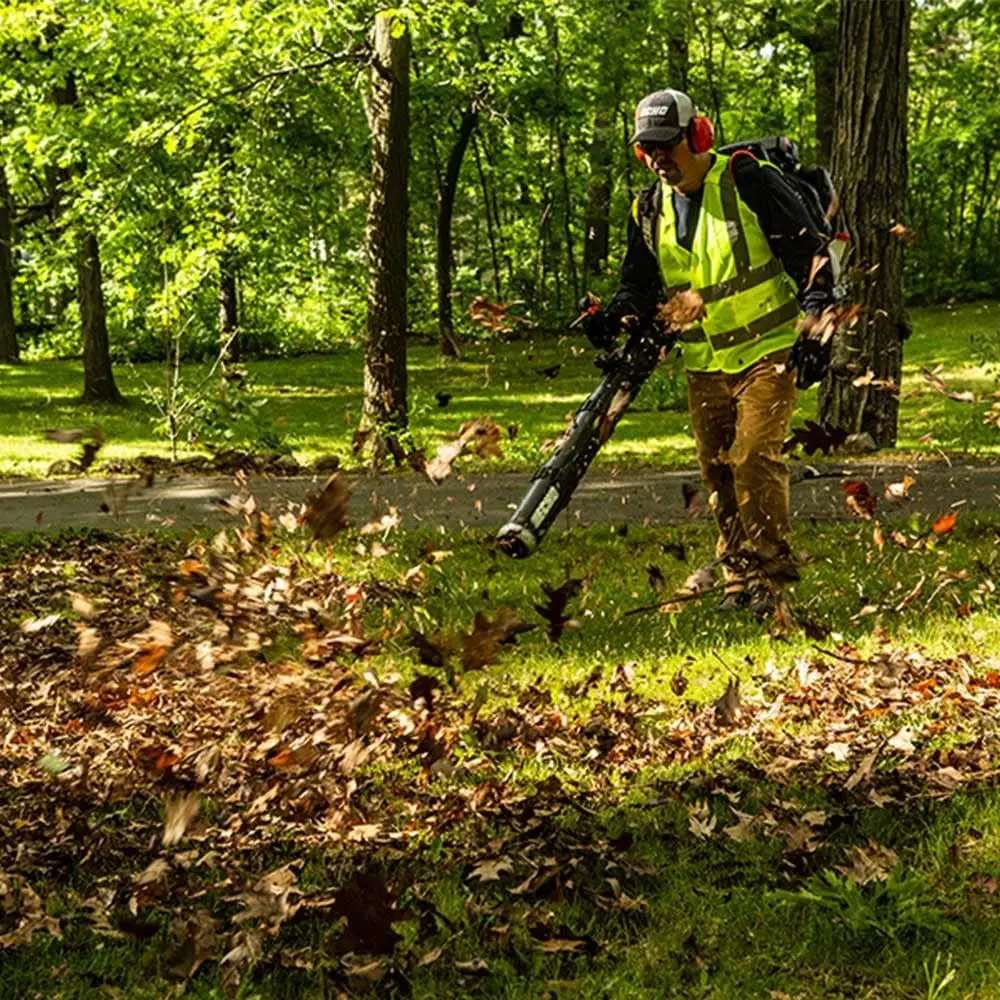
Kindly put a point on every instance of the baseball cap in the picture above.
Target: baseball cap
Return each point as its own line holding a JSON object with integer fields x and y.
{"x": 662, "y": 117}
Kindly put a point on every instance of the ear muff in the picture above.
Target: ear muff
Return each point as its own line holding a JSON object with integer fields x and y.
{"x": 641, "y": 156}
{"x": 701, "y": 134}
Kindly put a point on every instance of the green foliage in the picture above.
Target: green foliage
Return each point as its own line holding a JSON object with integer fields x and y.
{"x": 234, "y": 134}
{"x": 901, "y": 907}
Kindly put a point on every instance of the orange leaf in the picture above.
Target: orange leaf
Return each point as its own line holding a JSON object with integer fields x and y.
{"x": 283, "y": 758}
{"x": 945, "y": 524}
{"x": 149, "y": 660}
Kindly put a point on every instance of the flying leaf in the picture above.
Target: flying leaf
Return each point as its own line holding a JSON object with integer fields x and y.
{"x": 908, "y": 236}
{"x": 859, "y": 498}
{"x": 694, "y": 500}
{"x": 681, "y": 311}
{"x": 676, "y": 549}
{"x": 727, "y": 706}
{"x": 938, "y": 385}
{"x": 482, "y": 644}
{"x": 815, "y": 437}
{"x": 67, "y": 436}
{"x": 178, "y": 810}
{"x": 326, "y": 511}
{"x": 480, "y": 436}
{"x": 945, "y": 524}
{"x": 553, "y": 610}
{"x": 900, "y": 490}
{"x": 700, "y": 580}
{"x": 611, "y": 416}
{"x": 432, "y": 652}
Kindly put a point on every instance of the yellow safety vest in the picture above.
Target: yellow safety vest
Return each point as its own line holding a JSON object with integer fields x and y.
{"x": 751, "y": 304}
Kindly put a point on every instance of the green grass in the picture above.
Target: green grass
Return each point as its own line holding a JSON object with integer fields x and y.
{"x": 714, "y": 918}
{"x": 315, "y": 402}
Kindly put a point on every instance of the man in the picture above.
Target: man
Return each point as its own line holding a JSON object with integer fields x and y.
{"x": 733, "y": 230}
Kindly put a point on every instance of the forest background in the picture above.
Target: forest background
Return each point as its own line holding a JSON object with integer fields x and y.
{"x": 210, "y": 162}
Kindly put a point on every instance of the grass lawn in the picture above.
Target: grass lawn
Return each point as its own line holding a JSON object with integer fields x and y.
{"x": 314, "y": 402}
{"x": 494, "y": 812}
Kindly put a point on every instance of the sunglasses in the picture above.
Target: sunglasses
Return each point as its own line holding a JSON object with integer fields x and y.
{"x": 652, "y": 147}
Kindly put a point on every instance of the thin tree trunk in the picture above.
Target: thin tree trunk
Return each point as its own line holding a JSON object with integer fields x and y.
{"x": 389, "y": 120}
{"x": 491, "y": 225}
{"x": 560, "y": 135}
{"x": 598, "y": 223}
{"x": 229, "y": 314}
{"x": 446, "y": 209}
{"x": 8, "y": 331}
{"x": 98, "y": 379}
{"x": 678, "y": 58}
{"x": 870, "y": 167}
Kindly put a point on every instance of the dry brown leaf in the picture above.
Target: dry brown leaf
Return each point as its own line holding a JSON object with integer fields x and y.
{"x": 938, "y": 385}
{"x": 871, "y": 863}
{"x": 326, "y": 511}
{"x": 179, "y": 810}
{"x": 682, "y": 311}
{"x": 32, "y": 914}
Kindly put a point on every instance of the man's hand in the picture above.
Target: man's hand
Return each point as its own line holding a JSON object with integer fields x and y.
{"x": 810, "y": 357}
{"x": 600, "y": 327}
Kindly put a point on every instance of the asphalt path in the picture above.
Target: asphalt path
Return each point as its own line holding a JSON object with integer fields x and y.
{"x": 644, "y": 495}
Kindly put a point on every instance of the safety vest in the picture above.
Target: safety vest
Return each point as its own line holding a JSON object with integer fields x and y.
{"x": 751, "y": 304}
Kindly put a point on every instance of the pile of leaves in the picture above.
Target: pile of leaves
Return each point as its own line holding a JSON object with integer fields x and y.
{"x": 185, "y": 725}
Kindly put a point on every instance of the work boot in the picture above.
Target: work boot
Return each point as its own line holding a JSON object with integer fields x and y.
{"x": 736, "y": 600}
{"x": 762, "y": 602}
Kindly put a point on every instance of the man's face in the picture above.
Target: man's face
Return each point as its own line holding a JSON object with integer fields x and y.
{"x": 672, "y": 162}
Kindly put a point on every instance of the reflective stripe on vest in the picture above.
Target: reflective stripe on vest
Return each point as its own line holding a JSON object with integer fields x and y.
{"x": 750, "y": 302}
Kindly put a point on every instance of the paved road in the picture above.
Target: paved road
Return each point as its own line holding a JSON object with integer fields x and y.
{"x": 636, "y": 495}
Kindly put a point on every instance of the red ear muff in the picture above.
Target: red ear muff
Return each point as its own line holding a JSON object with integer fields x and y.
{"x": 701, "y": 134}
{"x": 641, "y": 156}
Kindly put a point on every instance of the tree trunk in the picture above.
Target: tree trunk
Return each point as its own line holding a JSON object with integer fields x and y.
{"x": 598, "y": 225}
{"x": 678, "y": 58}
{"x": 98, "y": 379}
{"x": 229, "y": 312}
{"x": 446, "y": 208}
{"x": 824, "y": 60}
{"x": 870, "y": 168}
{"x": 492, "y": 225}
{"x": 8, "y": 331}
{"x": 821, "y": 41}
{"x": 561, "y": 163}
{"x": 229, "y": 315}
{"x": 389, "y": 120}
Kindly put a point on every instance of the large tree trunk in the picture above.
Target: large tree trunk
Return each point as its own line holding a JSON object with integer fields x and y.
{"x": 8, "y": 331}
{"x": 98, "y": 380}
{"x": 446, "y": 208}
{"x": 870, "y": 168}
{"x": 824, "y": 60}
{"x": 389, "y": 120}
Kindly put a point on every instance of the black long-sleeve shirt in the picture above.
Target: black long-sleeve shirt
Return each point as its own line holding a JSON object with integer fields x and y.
{"x": 790, "y": 232}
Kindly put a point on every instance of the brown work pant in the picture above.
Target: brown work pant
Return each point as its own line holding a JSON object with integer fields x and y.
{"x": 740, "y": 422}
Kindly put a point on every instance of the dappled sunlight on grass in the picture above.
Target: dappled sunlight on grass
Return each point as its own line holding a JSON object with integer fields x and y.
{"x": 314, "y": 402}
